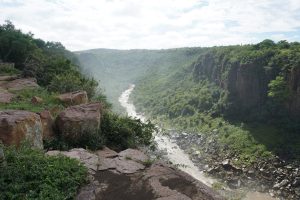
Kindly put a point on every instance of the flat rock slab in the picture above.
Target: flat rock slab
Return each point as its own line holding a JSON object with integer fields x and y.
{"x": 106, "y": 153}
{"x": 122, "y": 176}
{"x": 21, "y": 84}
{"x": 88, "y": 159}
{"x": 134, "y": 154}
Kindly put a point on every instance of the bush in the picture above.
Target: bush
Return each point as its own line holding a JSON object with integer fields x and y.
{"x": 124, "y": 132}
{"x": 73, "y": 81}
{"x": 29, "y": 174}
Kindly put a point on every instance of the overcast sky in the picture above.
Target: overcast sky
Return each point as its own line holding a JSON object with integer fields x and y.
{"x": 154, "y": 24}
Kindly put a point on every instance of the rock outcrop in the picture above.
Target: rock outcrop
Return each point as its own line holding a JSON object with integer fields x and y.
{"x": 76, "y": 121}
{"x": 123, "y": 175}
{"x": 47, "y": 124}
{"x": 17, "y": 126}
{"x": 74, "y": 98}
{"x": 21, "y": 84}
{"x": 5, "y": 96}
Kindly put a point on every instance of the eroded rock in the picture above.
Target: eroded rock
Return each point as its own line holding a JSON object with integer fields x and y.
{"x": 5, "y": 96}
{"x": 74, "y": 98}
{"x": 77, "y": 121}
{"x": 17, "y": 126}
{"x": 47, "y": 124}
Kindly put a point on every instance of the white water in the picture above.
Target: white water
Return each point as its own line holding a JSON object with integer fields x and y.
{"x": 175, "y": 154}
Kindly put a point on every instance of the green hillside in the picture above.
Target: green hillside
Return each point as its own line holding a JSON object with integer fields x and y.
{"x": 244, "y": 92}
{"x": 116, "y": 69}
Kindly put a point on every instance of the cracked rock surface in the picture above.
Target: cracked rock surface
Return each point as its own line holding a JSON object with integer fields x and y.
{"x": 123, "y": 176}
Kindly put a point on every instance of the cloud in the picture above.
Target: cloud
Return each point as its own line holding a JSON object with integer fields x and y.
{"x": 155, "y": 24}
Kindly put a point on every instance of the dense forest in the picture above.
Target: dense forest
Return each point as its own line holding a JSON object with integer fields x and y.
{"x": 244, "y": 91}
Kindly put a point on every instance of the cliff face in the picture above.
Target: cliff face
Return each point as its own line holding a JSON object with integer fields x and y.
{"x": 246, "y": 82}
{"x": 294, "y": 85}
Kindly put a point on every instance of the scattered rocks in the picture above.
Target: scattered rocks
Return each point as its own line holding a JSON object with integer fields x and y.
{"x": 274, "y": 175}
{"x": 74, "y": 98}
{"x": 17, "y": 126}
{"x": 47, "y": 124}
{"x": 76, "y": 121}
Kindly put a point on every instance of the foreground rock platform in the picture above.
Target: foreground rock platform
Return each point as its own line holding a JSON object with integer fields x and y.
{"x": 129, "y": 176}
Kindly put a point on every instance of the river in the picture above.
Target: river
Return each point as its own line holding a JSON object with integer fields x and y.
{"x": 175, "y": 154}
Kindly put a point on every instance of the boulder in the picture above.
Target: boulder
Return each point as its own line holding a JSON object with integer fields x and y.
{"x": 36, "y": 100}
{"x": 74, "y": 98}
{"x": 17, "y": 125}
{"x": 77, "y": 121}
{"x": 5, "y": 96}
{"x": 47, "y": 124}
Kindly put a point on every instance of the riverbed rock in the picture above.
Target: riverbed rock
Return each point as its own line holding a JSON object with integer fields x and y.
{"x": 76, "y": 121}
{"x": 47, "y": 124}
{"x": 74, "y": 98}
{"x": 21, "y": 84}
{"x": 17, "y": 126}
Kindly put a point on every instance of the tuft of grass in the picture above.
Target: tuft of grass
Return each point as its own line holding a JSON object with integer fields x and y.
{"x": 30, "y": 174}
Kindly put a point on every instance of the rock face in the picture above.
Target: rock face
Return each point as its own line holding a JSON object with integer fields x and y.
{"x": 5, "y": 96}
{"x": 74, "y": 98}
{"x": 79, "y": 120}
{"x": 21, "y": 84}
{"x": 47, "y": 124}
{"x": 16, "y": 126}
{"x": 124, "y": 176}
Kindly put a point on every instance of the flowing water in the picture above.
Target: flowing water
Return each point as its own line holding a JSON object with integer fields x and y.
{"x": 175, "y": 154}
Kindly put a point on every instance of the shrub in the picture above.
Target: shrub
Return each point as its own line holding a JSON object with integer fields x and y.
{"x": 29, "y": 174}
{"x": 124, "y": 132}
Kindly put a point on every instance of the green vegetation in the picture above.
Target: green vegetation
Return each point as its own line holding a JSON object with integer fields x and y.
{"x": 30, "y": 174}
{"x": 116, "y": 69}
{"x": 48, "y": 62}
{"x": 252, "y": 85}
{"x": 22, "y": 101}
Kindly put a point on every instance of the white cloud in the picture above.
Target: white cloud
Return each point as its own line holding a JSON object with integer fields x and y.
{"x": 126, "y": 24}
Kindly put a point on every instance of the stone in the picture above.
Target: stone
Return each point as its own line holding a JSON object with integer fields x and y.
{"x": 47, "y": 124}
{"x": 77, "y": 121}
{"x": 5, "y": 96}
{"x": 74, "y": 98}
{"x": 281, "y": 184}
{"x": 134, "y": 154}
{"x": 126, "y": 166}
{"x": 90, "y": 160}
{"x": 106, "y": 153}
{"x": 17, "y": 126}
{"x": 21, "y": 84}
{"x": 36, "y": 100}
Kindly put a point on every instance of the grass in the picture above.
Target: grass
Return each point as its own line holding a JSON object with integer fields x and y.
{"x": 22, "y": 101}
{"x": 30, "y": 174}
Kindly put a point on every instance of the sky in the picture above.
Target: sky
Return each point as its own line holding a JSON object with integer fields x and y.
{"x": 154, "y": 24}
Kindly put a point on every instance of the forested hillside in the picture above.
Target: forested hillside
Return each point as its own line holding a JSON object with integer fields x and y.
{"x": 116, "y": 69}
{"x": 252, "y": 90}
